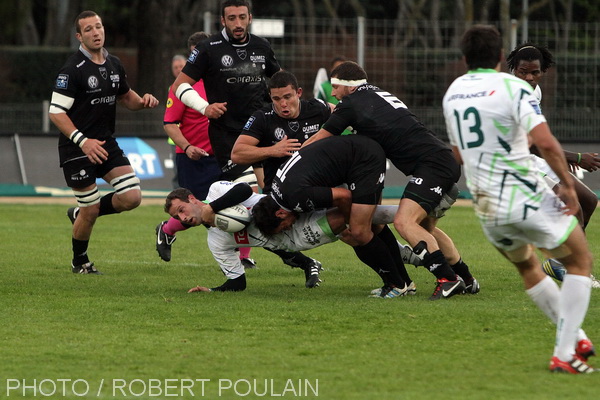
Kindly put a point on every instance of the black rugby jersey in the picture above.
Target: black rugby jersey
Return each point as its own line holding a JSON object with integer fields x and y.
{"x": 95, "y": 89}
{"x": 381, "y": 116}
{"x": 269, "y": 128}
{"x": 234, "y": 73}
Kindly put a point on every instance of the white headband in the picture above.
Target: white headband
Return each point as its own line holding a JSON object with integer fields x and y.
{"x": 343, "y": 82}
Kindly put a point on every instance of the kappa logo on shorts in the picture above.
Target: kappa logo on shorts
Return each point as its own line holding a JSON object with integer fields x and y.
{"x": 437, "y": 190}
{"x": 62, "y": 82}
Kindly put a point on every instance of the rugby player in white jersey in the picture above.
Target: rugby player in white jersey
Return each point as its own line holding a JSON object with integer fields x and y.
{"x": 489, "y": 115}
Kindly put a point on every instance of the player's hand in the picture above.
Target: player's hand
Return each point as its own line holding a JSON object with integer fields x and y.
{"x": 569, "y": 197}
{"x": 199, "y": 289}
{"x": 195, "y": 153}
{"x": 149, "y": 101}
{"x": 589, "y": 161}
{"x": 94, "y": 151}
{"x": 207, "y": 215}
{"x": 286, "y": 147}
{"x": 215, "y": 110}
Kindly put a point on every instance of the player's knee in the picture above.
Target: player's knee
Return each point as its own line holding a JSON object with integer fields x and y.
{"x": 128, "y": 191}
{"x": 361, "y": 235}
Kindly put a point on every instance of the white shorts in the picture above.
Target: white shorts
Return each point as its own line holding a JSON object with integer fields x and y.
{"x": 309, "y": 231}
{"x": 545, "y": 228}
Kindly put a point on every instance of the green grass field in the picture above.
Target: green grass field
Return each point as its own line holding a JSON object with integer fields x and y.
{"x": 135, "y": 332}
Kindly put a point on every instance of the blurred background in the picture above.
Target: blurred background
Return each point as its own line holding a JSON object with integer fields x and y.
{"x": 408, "y": 47}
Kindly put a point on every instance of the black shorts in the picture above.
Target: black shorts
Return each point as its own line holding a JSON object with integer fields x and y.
{"x": 356, "y": 161}
{"x": 80, "y": 172}
{"x": 432, "y": 178}
{"x": 222, "y": 140}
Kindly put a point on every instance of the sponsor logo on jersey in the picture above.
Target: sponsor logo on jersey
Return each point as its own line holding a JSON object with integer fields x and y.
{"x": 226, "y": 60}
{"x": 62, "y": 82}
{"x": 310, "y": 128}
{"x": 92, "y": 82}
{"x": 115, "y": 78}
{"x": 257, "y": 59}
{"x": 310, "y": 236}
{"x": 80, "y": 64}
{"x": 249, "y": 123}
{"x": 245, "y": 79}
{"x": 275, "y": 189}
{"x": 279, "y": 133}
{"x": 104, "y": 100}
{"x": 294, "y": 125}
{"x": 241, "y": 54}
{"x": 536, "y": 106}
{"x": 169, "y": 102}
{"x": 464, "y": 96}
{"x": 416, "y": 181}
{"x": 242, "y": 237}
{"x": 103, "y": 72}
{"x": 193, "y": 55}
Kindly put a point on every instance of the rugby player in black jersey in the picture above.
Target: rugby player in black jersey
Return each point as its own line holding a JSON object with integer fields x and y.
{"x": 275, "y": 132}
{"x": 83, "y": 108}
{"x": 272, "y": 134}
{"x": 234, "y": 65}
{"x": 418, "y": 153}
{"x": 311, "y": 180}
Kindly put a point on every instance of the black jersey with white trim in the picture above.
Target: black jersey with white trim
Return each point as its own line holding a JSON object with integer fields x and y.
{"x": 269, "y": 128}
{"x": 375, "y": 113}
{"x": 234, "y": 73}
{"x": 94, "y": 88}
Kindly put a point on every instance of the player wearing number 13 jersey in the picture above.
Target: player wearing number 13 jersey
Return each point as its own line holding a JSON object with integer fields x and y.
{"x": 418, "y": 153}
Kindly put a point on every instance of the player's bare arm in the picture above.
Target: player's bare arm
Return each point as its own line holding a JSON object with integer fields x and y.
{"x": 246, "y": 150}
{"x": 92, "y": 148}
{"x": 132, "y": 101}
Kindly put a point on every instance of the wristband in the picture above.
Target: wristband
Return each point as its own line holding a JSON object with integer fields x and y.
{"x": 186, "y": 147}
{"x": 578, "y": 158}
{"x": 77, "y": 137}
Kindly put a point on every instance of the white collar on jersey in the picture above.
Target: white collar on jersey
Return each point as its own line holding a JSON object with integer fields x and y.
{"x": 89, "y": 55}
{"x": 233, "y": 43}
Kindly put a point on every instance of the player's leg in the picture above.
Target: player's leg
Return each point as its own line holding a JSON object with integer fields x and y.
{"x": 407, "y": 222}
{"x": 455, "y": 260}
{"x": 373, "y": 251}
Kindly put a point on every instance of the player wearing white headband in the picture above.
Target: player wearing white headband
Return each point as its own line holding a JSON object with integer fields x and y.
{"x": 418, "y": 153}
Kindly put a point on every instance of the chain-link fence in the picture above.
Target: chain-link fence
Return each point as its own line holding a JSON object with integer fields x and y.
{"x": 416, "y": 60}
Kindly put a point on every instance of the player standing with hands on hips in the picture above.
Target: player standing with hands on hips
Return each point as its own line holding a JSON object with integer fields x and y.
{"x": 83, "y": 108}
{"x": 489, "y": 116}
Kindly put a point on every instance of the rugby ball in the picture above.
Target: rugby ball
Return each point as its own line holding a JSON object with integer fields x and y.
{"x": 233, "y": 219}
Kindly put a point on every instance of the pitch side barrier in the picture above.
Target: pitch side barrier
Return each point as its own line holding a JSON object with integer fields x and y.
{"x": 30, "y": 159}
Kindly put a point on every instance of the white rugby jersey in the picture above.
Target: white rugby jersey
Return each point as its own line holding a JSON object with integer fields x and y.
{"x": 488, "y": 116}
{"x": 310, "y": 230}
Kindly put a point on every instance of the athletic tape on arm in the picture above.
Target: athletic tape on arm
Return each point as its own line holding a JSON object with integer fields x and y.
{"x": 188, "y": 96}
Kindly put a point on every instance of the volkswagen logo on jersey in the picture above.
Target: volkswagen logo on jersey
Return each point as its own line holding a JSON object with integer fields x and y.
{"x": 294, "y": 125}
{"x": 93, "y": 82}
{"x": 242, "y": 53}
{"x": 279, "y": 133}
{"x": 227, "y": 61}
